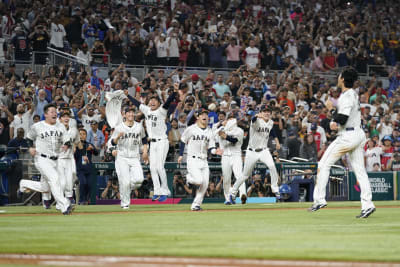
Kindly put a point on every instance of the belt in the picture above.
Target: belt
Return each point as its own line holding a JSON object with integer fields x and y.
{"x": 257, "y": 149}
{"x": 49, "y": 157}
{"x": 350, "y": 129}
{"x": 198, "y": 157}
{"x": 155, "y": 140}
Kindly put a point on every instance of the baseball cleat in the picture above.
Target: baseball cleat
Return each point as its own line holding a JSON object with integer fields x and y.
{"x": 68, "y": 211}
{"x": 366, "y": 213}
{"x": 278, "y": 197}
{"x": 47, "y": 204}
{"x": 155, "y": 197}
{"x": 243, "y": 198}
{"x": 316, "y": 207}
{"x": 162, "y": 199}
{"x": 72, "y": 200}
{"x": 227, "y": 202}
{"x": 197, "y": 208}
{"x": 232, "y": 199}
{"x": 125, "y": 207}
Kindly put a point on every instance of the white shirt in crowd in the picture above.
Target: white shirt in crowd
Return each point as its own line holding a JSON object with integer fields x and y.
{"x": 252, "y": 54}
{"x": 162, "y": 49}
{"x": 57, "y": 33}
{"x": 173, "y": 46}
{"x": 25, "y": 121}
{"x": 87, "y": 120}
{"x": 373, "y": 156}
{"x": 386, "y": 129}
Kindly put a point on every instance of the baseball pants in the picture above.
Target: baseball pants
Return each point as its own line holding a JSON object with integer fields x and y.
{"x": 67, "y": 169}
{"x": 198, "y": 174}
{"x": 130, "y": 177}
{"x": 351, "y": 142}
{"x": 49, "y": 182}
{"x": 158, "y": 155}
{"x": 232, "y": 163}
{"x": 249, "y": 163}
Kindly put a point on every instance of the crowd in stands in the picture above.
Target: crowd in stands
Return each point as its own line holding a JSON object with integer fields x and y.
{"x": 301, "y": 39}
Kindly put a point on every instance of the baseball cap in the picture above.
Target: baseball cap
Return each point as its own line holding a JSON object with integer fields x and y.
{"x": 12, "y": 64}
{"x": 17, "y": 95}
{"x": 314, "y": 126}
{"x": 195, "y": 77}
{"x": 64, "y": 106}
{"x": 291, "y": 133}
{"x": 387, "y": 138}
{"x": 94, "y": 122}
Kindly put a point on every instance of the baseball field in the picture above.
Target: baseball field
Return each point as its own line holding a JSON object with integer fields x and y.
{"x": 283, "y": 231}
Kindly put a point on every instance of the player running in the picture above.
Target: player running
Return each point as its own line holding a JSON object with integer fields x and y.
{"x": 199, "y": 138}
{"x": 230, "y": 148}
{"x": 128, "y": 136}
{"x": 257, "y": 150}
{"x": 66, "y": 160}
{"x": 48, "y": 137}
{"x": 351, "y": 139}
{"x": 156, "y": 128}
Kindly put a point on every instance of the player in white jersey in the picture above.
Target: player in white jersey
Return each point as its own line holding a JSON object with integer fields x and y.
{"x": 127, "y": 138}
{"x": 257, "y": 150}
{"x": 49, "y": 137}
{"x": 199, "y": 139}
{"x": 156, "y": 128}
{"x": 351, "y": 139}
{"x": 230, "y": 138}
{"x": 66, "y": 160}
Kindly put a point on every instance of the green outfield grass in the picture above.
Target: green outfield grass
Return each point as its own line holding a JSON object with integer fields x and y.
{"x": 249, "y": 231}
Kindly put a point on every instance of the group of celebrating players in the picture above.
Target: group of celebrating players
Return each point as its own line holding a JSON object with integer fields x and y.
{"x": 52, "y": 143}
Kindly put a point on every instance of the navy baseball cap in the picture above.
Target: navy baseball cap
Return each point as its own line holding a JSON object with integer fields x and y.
{"x": 129, "y": 108}
{"x": 314, "y": 126}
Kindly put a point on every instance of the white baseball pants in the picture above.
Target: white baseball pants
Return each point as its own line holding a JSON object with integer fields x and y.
{"x": 351, "y": 142}
{"x": 67, "y": 171}
{"x": 158, "y": 155}
{"x": 49, "y": 182}
{"x": 130, "y": 177}
{"x": 232, "y": 163}
{"x": 249, "y": 163}
{"x": 198, "y": 174}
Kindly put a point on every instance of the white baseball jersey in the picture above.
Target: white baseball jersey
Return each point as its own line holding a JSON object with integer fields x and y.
{"x": 348, "y": 104}
{"x": 252, "y": 56}
{"x": 155, "y": 122}
{"x": 87, "y": 120}
{"x": 73, "y": 135}
{"x": 24, "y": 122}
{"x": 129, "y": 144}
{"x": 259, "y": 133}
{"x": 199, "y": 140}
{"x": 49, "y": 138}
{"x": 233, "y": 130}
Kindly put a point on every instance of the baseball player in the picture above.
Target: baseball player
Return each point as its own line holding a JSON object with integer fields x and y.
{"x": 66, "y": 160}
{"x": 49, "y": 137}
{"x": 230, "y": 138}
{"x": 199, "y": 138}
{"x": 127, "y": 138}
{"x": 155, "y": 115}
{"x": 351, "y": 139}
{"x": 257, "y": 150}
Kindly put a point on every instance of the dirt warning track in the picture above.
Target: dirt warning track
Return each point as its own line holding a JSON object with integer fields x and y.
{"x": 114, "y": 261}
